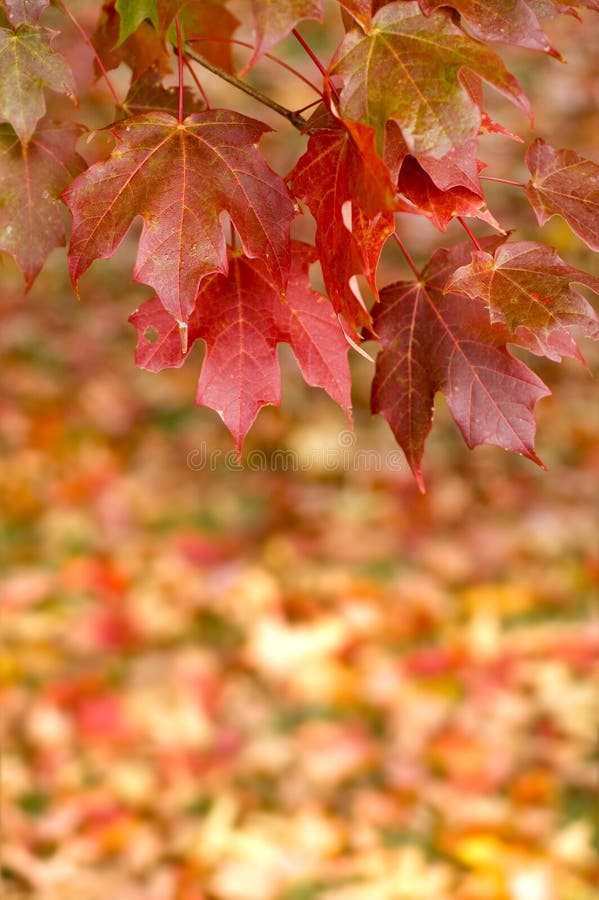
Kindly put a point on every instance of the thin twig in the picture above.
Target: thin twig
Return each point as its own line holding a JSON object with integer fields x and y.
{"x": 197, "y": 82}
{"x": 407, "y": 255}
{"x": 275, "y": 59}
{"x": 296, "y": 120}
{"x": 308, "y": 106}
{"x": 469, "y": 232}
{"x": 315, "y": 60}
{"x": 502, "y": 180}
{"x": 87, "y": 40}
{"x": 179, "y": 66}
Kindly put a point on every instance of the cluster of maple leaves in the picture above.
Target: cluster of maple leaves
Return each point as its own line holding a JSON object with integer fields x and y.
{"x": 396, "y": 130}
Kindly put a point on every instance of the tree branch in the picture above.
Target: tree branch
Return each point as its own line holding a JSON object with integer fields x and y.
{"x": 296, "y": 120}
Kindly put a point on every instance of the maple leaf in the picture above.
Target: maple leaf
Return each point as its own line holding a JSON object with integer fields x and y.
{"x": 458, "y": 168}
{"x": 566, "y": 184}
{"x": 242, "y": 316}
{"x": 408, "y": 69}
{"x": 27, "y": 66}
{"x": 159, "y": 344}
{"x": 179, "y": 178}
{"x": 360, "y": 10}
{"x": 548, "y": 8}
{"x": 141, "y": 50}
{"x": 23, "y": 12}
{"x": 159, "y": 12}
{"x": 438, "y": 205}
{"x": 148, "y": 94}
{"x": 508, "y": 21}
{"x": 349, "y": 192}
{"x": 474, "y": 85}
{"x": 166, "y": 10}
{"x": 434, "y": 341}
{"x": 31, "y": 179}
{"x": 273, "y": 20}
{"x": 208, "y": 19}
{"x": 527, "y": 287}
{"x": 132, "y": 13}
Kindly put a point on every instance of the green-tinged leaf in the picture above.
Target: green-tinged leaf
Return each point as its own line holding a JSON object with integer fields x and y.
{"x": 408, "y": 70}
{"x": 31, "y": 179}
{"x": 27, "y": 66}
{"x": 197, "y": 18}
{"x": 132, "y": 13}
{"x": 527, "y": 287}
{"x": 141, "y": 50}
{"x": 23, "y": 12}
{"x": 566, "y": 184}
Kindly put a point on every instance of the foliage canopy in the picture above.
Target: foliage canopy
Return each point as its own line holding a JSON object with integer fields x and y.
{"x": 394, "y": 129}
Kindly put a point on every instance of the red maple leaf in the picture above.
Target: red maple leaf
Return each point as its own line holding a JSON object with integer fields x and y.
{"x": 179, "y": 178}
{"x": 434, "y": 341}
{"x": 273, "y": 20}
{"x": 148, "y": 94}
{"x": 440, "y": 206}
{"x": 361, "y": 10}
{"x": 349, "y": 191}
{"x": 508, "y": 21}
{"x": 242, "y": 316}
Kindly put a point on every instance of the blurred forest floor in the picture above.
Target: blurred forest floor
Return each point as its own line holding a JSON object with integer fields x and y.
{"x": 299, "y": 679}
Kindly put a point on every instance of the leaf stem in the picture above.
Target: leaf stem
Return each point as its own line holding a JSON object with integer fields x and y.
{"x": 270, "y": 56}
{"x": 314, "y": 59}
{"x": 307, "y": 106}
{"x": 407, "y": 255}
{"x": 87, "y": 40}
{"x": 310, "y": 52}
{"x": 470, "y": 233}
{"x": 179, "y": 67}
{"x": 502, "y": 180}
{"x": 198, "y": 83}
{"x": 296, "y": 120}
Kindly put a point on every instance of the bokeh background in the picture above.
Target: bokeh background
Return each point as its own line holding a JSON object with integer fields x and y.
{"x": 297, "y": 678}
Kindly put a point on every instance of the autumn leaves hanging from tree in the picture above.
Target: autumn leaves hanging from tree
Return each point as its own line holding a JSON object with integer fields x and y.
{"x": 394, "y": 130}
